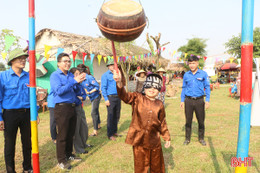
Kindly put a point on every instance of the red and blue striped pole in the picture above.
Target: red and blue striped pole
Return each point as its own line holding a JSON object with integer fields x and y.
{"x": 33, "y": 103}
{"x": 246, "y": 83}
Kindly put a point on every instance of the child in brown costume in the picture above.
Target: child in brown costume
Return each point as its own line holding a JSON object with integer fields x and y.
{"x": 148, "y": 123}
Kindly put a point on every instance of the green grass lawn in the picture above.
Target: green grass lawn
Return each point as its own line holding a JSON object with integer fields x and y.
{"x": 106, "y": 156}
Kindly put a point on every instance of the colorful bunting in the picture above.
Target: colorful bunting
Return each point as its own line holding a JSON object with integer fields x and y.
{"x": 105, "y": 59}
{"x": 47, "y": 56}
{"x": 46, "y": 50}
{"x": 37, "y": 57}
{"x": 92, "y": 57}
{"x": 83, "y": 57}
{"x": 9, "y": 40}
{"x": 4, "y": 54}
{"x": 185, "y": 55}
{"x": 99, "y": 59}
{"x": 59, "y": 51}
{"x": 205, "y": 58}
{"x": 74, "y": 54}
{"x": 231, "y": 60}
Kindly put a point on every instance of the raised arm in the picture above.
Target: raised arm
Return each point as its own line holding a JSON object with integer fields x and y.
{"x": 58, "y": 88}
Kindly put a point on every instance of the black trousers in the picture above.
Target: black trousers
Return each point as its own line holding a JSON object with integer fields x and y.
{"x": 14, "y": 119}
{"x": 65, "y": 117}
{"x": 198, "y": 106}
{"x": 52, "y": 124}
{"x": 113, "y": 115}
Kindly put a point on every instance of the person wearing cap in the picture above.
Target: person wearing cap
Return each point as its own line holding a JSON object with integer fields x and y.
{"x": 194, "y": 83}
{"x": 15, "y": 103}
{"x": 65, "y": 89}
{"x": 161, "y": 94}
{"x": 135, "y": 76}
{"x": 147, "y": 125}
{"x": 140, "y": 80}
{"x": 112, "y": 101}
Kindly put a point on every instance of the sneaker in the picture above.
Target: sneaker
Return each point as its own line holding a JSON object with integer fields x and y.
{"x": 65, "y": 166}
{"x": 74, "y": 157}
{"x": 186, "y": 142}
{"x": 202, "y": 142}
{"x": 28, "y": 171}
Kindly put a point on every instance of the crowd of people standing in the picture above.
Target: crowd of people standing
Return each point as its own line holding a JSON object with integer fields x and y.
{"x": 68, "y": 125}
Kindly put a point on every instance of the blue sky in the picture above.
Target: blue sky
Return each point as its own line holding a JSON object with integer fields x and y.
{"x": 215, "y": 20}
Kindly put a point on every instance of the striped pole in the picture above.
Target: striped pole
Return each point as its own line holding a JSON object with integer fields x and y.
{"x": 33, "y": 105}
{"x": 246, "y": 84}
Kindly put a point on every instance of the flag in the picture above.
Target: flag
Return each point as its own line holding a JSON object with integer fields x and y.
{"x": 92, "y": 57}
{"x": 46, "y": 50}
{"x": 4, "y": 54}
{"x": 83, "y": 57}
{"x": 74, "y": 54}
{"x": 9, "y": 40}
{"x": 37, "y": 57}
{"x": 99, "y": 59}
{"x": 105, "y": 59}
{"x": 59, "y": 51}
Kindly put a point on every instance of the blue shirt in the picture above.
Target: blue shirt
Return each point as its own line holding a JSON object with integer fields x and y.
{"x": 81, "y": 93}
{"x": 64, "y": 87}
{"x": 108, "y": 85}
{"x": 50, "y": 100}
{"x": 14, "y": 91}
{"x": 89, "y": 84}
{"x": 194, "y": 85}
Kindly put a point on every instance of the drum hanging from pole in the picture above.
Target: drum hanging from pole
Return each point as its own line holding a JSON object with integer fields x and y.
{"x": 121, "y": 20}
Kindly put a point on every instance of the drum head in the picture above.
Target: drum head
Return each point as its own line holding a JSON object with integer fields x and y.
{"x": 122, "y": 8}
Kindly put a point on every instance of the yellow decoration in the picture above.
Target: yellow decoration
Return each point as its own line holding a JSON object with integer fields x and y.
{"x": 46, "y": 50}
{"x": 99, "y": 59}
{"x": 4, "y": 54}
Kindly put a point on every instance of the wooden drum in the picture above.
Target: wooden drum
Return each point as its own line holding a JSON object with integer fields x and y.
{"x": 121, "y": 20}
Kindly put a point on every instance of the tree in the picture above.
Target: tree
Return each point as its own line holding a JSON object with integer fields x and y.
{"x": 233, "y": 45}
{"x": 16, "y": 43}
{"x": 195, "y": 46}
{"x": 156, "y": 40}
{"x": 2, "y": 67}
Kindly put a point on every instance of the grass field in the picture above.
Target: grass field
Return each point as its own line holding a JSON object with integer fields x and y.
{"x": 106, "y": 156}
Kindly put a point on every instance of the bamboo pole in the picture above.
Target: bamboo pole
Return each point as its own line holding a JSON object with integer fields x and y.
{"x": 33, "y": 104}
{"x": 246, "y": 84}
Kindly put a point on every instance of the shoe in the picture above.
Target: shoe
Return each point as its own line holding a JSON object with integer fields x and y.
{"x": 65, "y": 166}
{"x": 202, "y": 142}
{"x": 117, "y": 135}
{"x": 85, "y": 152}
{"x": 74, "y": 157}
{"x": 89, "y": 146}
{"x": 186, "y": 142}
{"x": 28, "y": 171}
{"x": 54, "y": 141}
{"x": 112, "y": 138}
{"x": 93, "y": 134}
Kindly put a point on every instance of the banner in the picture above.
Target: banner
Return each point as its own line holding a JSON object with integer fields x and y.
{"x": 83, "y": 57}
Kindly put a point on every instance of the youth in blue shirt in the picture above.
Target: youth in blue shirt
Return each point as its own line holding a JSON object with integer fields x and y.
{"x": 194, "y": 83}
{"x": 112, "y": 101}
{"x": 15, "y": 103}
{"x": 65, "y": 89}
{"x": 92, "y": 89}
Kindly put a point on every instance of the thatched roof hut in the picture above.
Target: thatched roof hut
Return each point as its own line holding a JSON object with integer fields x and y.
{"x": 176, "y": 67}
